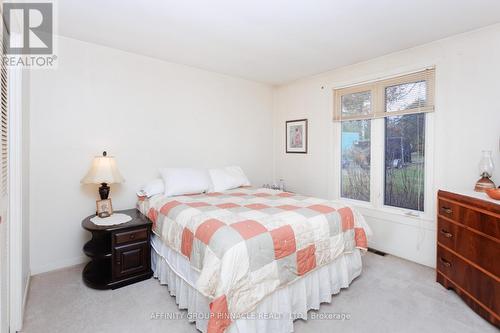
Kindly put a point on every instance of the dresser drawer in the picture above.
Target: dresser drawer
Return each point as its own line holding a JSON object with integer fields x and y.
{"x": 488, "y": 224}
{"x": 483, "y": 251}
{"x": 450, "y": 209}
{"x": 131, "y": 236}
{"x": 482, "y": 287}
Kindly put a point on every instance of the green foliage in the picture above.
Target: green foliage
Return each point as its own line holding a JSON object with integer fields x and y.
{"x": 404, "y": 187}
{"x": 356, "y": 184}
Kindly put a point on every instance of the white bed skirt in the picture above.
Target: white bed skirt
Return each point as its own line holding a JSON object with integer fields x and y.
{"x": 276, "y": 312}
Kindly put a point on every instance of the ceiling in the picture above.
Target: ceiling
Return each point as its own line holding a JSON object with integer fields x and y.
{"x": 272, "y": 41}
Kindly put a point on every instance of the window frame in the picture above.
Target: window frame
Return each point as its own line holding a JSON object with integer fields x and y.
{"x": 376, "y": 206}
{"x": 377, "y": 89}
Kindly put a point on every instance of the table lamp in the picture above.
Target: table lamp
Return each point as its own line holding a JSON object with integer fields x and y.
{"x": 485, "y": 170}
{"x": 103, "y": 171}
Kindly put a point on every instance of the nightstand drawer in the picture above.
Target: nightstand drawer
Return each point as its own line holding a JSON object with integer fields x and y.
{"x": 481, "y": 250}
{"x": 131, "y": 236}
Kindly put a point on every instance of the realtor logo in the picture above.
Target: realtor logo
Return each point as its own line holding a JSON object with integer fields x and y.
{"x": 28, "y": 34}
{"x": 34, "y": 31}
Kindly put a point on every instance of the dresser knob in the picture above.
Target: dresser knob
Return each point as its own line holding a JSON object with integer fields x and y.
{"x": 132, "y": 236}
{"x": 447, "y": 210}
{"x": 446, "y": 233}
{"x": 445, "y": 262}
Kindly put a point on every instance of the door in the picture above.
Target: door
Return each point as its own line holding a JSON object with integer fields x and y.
{"x": 130, "y": 259}
{"x": 4, "y": 204}
{"x": 4, "y": 197}
{"x": 4, "y": 265}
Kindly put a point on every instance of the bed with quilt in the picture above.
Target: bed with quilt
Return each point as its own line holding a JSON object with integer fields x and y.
{"x": 253, "y": 259}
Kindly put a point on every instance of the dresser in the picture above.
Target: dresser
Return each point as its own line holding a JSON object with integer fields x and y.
{"x": 468, "y": 251}
{"x": 120, "y": 254}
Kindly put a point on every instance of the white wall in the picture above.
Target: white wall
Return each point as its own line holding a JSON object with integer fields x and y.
{"x": 145, "y": 112}
{"x": 467, "y": 120}
{"x": 151, "y": 114}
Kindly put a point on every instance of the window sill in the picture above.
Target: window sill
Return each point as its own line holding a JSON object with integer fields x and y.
{"x": 399, "y": 216}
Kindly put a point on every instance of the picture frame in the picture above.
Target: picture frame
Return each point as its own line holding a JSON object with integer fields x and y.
{"x": 104, "y": 208}
{"x": 296, "y": 136}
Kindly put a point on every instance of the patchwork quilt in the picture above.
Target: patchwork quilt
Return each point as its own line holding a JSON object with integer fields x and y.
{"x": 248, "y": 242}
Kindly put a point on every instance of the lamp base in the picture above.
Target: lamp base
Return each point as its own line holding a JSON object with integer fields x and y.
{"x": 104, "y": 191}
{"x": 483, "y": 184}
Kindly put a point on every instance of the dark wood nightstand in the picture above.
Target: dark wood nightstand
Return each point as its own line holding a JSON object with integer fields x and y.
{"x": 120, "y": 253}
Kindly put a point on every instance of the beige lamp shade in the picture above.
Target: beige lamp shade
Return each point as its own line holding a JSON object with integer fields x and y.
{"x": 103, "y": 170}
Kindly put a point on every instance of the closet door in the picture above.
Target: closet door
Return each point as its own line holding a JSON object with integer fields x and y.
{"x": 4, "y": 194}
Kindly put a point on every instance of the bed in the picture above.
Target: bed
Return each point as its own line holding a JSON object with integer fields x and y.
{"x": 253, "y": 259}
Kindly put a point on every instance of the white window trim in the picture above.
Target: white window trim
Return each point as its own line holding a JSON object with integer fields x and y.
{"x": 376, "y": 207}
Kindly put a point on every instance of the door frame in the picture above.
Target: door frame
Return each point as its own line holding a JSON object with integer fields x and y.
{"x": 16, "y": 218}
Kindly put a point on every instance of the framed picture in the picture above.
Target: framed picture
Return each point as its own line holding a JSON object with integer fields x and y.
{"x": 104, "y": 208}
{"x": 296, "y": 136}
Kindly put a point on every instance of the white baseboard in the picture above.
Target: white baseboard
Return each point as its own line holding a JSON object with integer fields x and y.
{"x": 35, "y": 270}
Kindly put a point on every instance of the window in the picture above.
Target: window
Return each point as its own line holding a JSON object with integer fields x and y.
{"x": 356, "y": 103}
{"x": 390, "y": 114}
{"x": 356, "y": 143}
{"x": 405, "y": 96}
{"x": 404, "y": 161}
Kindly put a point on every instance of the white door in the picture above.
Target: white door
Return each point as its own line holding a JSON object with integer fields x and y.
{"x": 4, "y": 265}
{"x": 4, "y": 222}
{"x": 4, "y": 199}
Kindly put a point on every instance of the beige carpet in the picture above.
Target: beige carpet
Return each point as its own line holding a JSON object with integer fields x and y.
{"x": 391, "y": 295}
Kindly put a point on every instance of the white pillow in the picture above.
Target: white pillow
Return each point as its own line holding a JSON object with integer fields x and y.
{"x": 153, "y": 187}
{"x": 180, "y": 181}
{"x": 227, "y": 178}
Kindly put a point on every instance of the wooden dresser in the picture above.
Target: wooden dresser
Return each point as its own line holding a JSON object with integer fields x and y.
{"x": 468, "y": 251}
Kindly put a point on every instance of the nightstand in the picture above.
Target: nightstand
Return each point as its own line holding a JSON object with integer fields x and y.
{"x": 120, "y": 254}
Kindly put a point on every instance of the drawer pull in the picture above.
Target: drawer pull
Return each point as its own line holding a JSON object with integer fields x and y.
{"x": 447, "y": 210}
{"x": 445, "y": 262}
{"x": 446, "y": 233}
{"x": 132, "y": 236}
